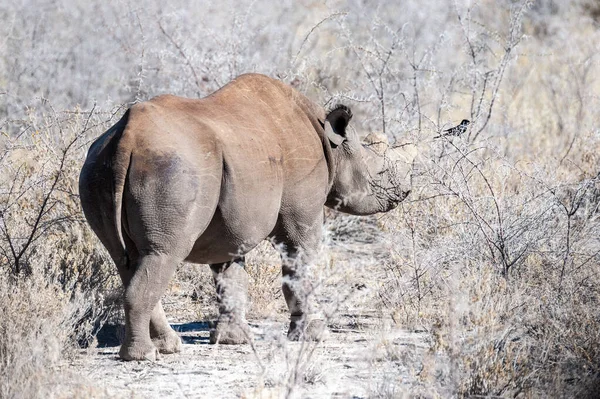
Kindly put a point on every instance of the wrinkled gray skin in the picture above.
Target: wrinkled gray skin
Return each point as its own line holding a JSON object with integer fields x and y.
{"x": 207, "y": 180}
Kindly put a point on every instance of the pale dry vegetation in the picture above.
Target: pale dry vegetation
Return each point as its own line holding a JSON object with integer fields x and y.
{"x": 493, "y": 257}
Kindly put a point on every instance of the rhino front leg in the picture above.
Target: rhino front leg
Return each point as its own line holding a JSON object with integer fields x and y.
{"x": 299, "y": 293}
{"x": 231, "y": 281}
{"x": 298, "y": 244}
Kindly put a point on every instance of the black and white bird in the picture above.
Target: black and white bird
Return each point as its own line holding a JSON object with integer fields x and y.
{"x": 456, "y": 130}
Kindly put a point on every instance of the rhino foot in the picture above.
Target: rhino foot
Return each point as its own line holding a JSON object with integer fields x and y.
{"x": 230, "y": 332}
{"x": 168, "y": 342}
{"x": 313, "y": 330}
{"x": 139, "y": 352}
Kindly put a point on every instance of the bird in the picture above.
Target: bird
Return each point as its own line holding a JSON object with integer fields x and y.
{"x": 456, "y": 130}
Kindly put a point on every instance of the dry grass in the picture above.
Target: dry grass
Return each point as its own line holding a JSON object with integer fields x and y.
{"x": 264, "y": 269}
{"x": 40, "y": 326}
{"x": 54, "y": 277}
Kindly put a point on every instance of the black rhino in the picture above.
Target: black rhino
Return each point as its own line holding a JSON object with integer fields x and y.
{"x": 206, "y": 180}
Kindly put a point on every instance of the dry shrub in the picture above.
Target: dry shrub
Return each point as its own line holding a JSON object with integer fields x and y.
{"x": 494, "y": 338}
{"x": 495, "y": 254}
{"x": 192, "y": 292}
{"x": 54, "y": 275}
{"x": 498, "y": 261}
{"x": 43, "y": 228}
{"x": 263, "y": 265}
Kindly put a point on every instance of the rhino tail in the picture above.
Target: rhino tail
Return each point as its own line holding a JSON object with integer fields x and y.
{"x": 120, "y": 167}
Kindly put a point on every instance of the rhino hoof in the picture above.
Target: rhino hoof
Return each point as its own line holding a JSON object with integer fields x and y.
{"x": 139, "y": 352}
{"x": 168, "y": 343}
{"x": 230, "y": 332}
{"x": 316, "y": 330}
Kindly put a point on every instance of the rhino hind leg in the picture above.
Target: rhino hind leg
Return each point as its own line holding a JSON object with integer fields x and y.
{"x": 164, "y": 338}
{"x": 231, "y": 281}
{"x": 142, "y": 296}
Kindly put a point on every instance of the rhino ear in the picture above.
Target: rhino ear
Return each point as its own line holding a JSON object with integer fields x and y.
{"x": 336, "y": 122}
{"x": 334, "y": 138}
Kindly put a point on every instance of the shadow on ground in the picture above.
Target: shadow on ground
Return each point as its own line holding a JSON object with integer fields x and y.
{"x": 111, "y": 335}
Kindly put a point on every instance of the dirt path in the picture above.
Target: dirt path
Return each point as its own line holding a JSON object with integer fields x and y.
{"x": 351, "y": 362}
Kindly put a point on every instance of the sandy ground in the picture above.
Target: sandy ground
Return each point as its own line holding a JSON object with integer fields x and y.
{"x": 350, "y": 363}
{"x": 363, "y": 355}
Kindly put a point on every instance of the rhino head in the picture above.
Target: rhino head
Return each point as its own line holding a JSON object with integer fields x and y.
{"x": 366, "y": 181}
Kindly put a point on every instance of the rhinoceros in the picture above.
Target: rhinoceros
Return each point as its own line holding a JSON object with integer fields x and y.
{"x": 206, "y": 180}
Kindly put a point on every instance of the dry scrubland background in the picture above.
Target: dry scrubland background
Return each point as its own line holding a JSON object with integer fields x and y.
{"x": 494, "y": 255}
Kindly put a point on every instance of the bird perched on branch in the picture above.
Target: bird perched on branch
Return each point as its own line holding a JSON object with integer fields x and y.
{"x": 456, "y": 130}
